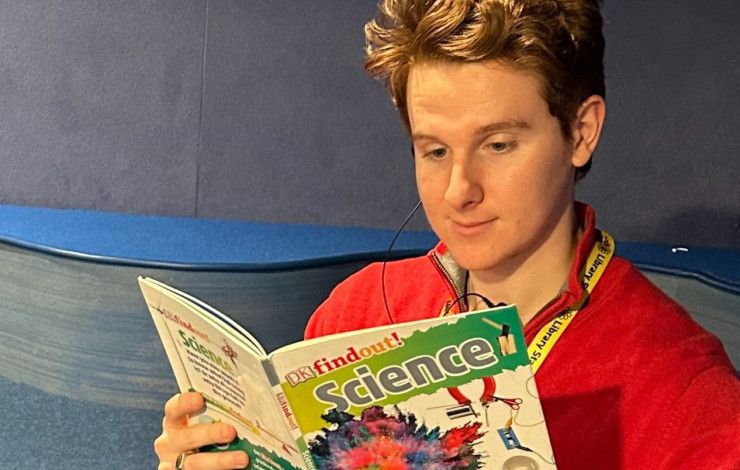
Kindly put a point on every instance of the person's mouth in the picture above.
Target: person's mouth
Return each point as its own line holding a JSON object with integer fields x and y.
{"x": 470, "y": 228}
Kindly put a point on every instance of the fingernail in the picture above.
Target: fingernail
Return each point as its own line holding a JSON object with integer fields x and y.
{"x": 226, "y": 435}
{"x": 241, "y": 460}
{"x": 199, "y": 399}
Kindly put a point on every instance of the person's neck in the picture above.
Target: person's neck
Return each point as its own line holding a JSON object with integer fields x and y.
{"x": 533, "y": 280}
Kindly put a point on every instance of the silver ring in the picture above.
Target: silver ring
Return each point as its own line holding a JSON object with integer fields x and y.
{"x": 180, "y": 461}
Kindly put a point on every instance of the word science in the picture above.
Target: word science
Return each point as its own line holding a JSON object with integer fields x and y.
{"x": 416, "y": 372}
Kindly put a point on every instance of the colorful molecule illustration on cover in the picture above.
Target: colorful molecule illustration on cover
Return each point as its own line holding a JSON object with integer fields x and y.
{"x": 382, "y": 441}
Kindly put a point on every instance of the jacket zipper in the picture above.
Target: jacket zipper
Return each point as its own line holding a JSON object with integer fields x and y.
{"x": 464, "y": 304}
{"x": 458, "y": 295}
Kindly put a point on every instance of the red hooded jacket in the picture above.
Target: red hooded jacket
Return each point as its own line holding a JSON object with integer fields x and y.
{"x": 633, "y": 383}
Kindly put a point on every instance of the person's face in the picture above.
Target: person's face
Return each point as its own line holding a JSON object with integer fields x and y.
{"x": 495, "y": 173}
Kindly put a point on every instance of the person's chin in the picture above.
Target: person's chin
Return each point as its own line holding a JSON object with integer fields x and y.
{"x": 471, "y": 257}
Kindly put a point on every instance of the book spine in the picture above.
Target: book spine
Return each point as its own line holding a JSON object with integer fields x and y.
{"x": 288, "y": 416}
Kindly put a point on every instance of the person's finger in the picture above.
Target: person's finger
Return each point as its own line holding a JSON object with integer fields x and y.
{"x": 216, "y": 460}
{"x": 177, "y": 409}
{"x": 199, "y": 435}
{"x": 167, "y": 465}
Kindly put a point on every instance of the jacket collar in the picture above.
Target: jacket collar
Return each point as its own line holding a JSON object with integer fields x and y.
{"x": 457, "y": 276}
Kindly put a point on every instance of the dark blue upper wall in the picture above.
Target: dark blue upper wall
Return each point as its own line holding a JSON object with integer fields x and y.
{"x": 260, "y": 110}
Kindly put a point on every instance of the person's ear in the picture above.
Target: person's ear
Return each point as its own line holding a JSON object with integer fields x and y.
{"x": 587, "y": 129}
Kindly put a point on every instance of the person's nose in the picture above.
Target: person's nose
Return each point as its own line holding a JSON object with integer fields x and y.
{"x": 464, "y": 188}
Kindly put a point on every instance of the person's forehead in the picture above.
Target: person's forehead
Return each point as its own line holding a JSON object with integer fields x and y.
{"x": 466, "y": 89}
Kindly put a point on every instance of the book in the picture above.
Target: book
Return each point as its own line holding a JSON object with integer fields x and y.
{"x": 452, "y": 392}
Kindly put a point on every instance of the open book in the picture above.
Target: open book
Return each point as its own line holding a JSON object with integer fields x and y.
{"x": 453, "y": 392}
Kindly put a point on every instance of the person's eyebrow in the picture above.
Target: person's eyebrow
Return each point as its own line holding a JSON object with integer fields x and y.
{"x": 485, "y": 129}
{"x": 502, "y": 126}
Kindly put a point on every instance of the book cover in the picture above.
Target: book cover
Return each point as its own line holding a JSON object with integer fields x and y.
{"x": 453, "y": 392}
{"x": 445, "y": 393}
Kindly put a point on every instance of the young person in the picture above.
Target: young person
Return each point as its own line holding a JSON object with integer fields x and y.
{"x": 504, "y": 103}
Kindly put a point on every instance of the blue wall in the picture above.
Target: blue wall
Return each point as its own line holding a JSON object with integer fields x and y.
{"x": 260, "y": 110}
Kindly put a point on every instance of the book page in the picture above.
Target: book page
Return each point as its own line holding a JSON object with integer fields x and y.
{"x": 222, "y": 319}
{"x": 208, "y": 357}
{"x": 448, "y": 391}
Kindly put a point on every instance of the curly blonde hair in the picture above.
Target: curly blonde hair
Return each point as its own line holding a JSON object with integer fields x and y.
{"x": 560, "y": 40}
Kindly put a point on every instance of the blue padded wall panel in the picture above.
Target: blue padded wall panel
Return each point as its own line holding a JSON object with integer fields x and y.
{"x": 83, "y": 371}
{"x": 99, "y": 103}
{"x": 293, "y": 129}
{"x": 81, "y": 329}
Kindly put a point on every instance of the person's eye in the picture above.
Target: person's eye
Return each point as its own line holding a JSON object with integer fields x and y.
{"x": 440, "y": 152}
{"x": 502, "y": 147}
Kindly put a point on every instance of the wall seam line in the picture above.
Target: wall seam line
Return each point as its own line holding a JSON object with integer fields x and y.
{"x": 200, "y": 110}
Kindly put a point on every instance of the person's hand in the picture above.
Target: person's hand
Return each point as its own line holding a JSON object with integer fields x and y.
{"x": 177, "y": 437}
